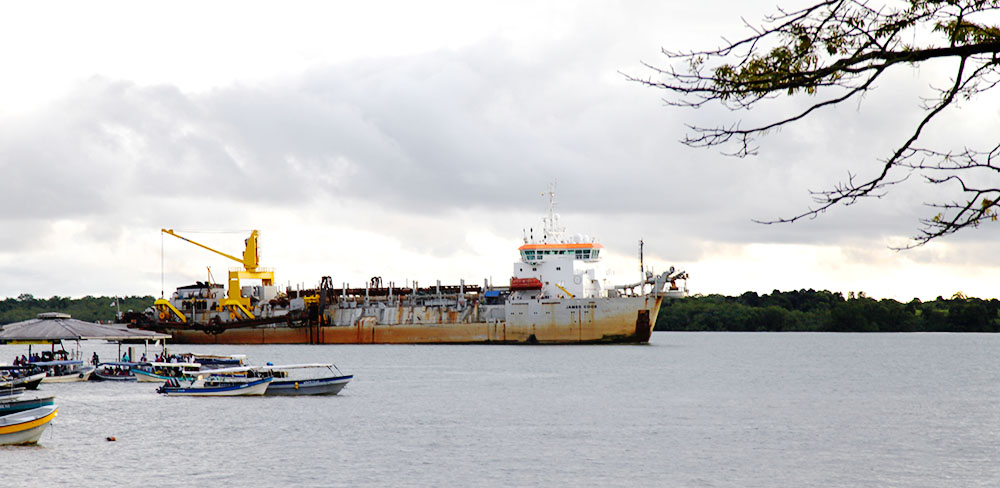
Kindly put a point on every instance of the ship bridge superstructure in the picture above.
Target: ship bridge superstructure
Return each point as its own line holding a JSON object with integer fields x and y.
{"x": 557, "y": 265}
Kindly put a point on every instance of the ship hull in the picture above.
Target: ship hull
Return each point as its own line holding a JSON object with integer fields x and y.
{"x": 626, "y": 320}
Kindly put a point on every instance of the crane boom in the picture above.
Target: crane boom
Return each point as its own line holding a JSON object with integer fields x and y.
{"x": 249, "y": 260}
{"x": 234, "y": 301}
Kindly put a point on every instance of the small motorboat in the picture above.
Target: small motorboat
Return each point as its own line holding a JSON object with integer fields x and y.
{"x": 25, "y": 427}
{"x": 205, "y": 385}
{"x": 114, "y": 371}
{"x": 157, "y": 372}
{"x": 214, "y": 361}
{"x": 64, "y": 371}
{"x": 8, "y": 392}
{"x": 27, "y": 377}
{"x": 305, "y": 379}
{"x": 16, "y": 404}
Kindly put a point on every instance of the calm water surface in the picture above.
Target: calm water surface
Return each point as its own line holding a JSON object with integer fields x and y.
{"x": 688, "y": 410}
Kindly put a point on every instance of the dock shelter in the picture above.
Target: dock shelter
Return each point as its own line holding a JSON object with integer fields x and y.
{"x": 52, "y": 327}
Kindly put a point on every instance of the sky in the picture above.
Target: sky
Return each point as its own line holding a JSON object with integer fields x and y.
{"x": 414, "y": 141}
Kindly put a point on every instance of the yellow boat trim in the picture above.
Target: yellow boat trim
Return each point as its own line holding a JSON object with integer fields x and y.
{"x": 28, "y": 425}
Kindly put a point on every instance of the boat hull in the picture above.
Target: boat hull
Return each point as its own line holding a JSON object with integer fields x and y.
{"x": 15, "y": 405}
{"x": 110, "y": 377}
{"x": 255, "y": 388}
{"x": 69, "y": 378}
{"x": 30, "y": 382}
{"x": 149, "y": 377}
{"x": 623, "y": 320}
{"x": 25, "y": 427}
{"x": 317, "y": 386}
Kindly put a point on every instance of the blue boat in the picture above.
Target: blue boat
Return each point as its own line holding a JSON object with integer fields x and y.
{"x": 27, "y": 377}
{"x": 158, "y": 372}
{"x": 305, "y": 379}
{"x": 114, "y": 371}
{"x": 15, "y": 405}
{"x": 215, "y": 386}
{"x": 7, "y": 392}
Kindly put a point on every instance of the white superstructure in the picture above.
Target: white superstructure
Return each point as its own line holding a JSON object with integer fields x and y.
{"x": 558, "y": 266}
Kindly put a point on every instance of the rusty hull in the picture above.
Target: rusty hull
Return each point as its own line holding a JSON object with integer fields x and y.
{"x": 617, "y": 320}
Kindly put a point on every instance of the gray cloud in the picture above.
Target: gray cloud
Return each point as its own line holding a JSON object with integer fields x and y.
{"x": 474, "y": 133}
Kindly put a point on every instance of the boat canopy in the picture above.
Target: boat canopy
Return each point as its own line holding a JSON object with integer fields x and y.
{"x": 160, "y": 364}
{"x": 295, "y": 366}
{"x": 56, "y": 363}
{"x": 214, "y": 372}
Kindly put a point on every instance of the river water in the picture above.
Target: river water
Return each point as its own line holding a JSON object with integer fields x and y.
{"x": 687, "y": 410}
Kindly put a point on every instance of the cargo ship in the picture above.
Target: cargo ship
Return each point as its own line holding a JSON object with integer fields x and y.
{"x": 558, "y": 294}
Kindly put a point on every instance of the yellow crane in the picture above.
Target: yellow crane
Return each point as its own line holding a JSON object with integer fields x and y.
{"x": 235, "y": 302}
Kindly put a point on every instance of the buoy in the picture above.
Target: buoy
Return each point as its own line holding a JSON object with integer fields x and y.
{"x": 111, "y": 439}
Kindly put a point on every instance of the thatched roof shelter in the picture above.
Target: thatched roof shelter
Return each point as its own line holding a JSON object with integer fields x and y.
{"x": 53, "y": 326}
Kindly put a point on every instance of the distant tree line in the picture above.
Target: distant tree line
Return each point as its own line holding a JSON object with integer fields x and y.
{"x": 825, "y": 311}
{"x": 88, "y": 308}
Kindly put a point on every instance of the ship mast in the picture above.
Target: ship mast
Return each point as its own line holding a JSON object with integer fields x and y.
{"x": 553, "y": 232}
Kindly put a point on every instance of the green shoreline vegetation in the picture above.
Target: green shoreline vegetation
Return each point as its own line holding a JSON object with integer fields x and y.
{"x": 825, "y": 311}
{"x": 791, "y": 311}
{"x": 88, "y": 308}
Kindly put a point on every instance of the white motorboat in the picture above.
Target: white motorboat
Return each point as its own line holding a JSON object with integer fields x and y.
{"x": 27, "y": 426}
{"x": 212, "y": 385}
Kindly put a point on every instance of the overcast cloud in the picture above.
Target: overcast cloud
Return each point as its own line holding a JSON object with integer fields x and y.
{"x": 371, "y": 146}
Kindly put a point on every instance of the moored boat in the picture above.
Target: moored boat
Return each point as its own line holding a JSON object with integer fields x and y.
{"x": 26, "y": 377}
{"x": 215, "y": 386}
{"x": 305, "y": 379}
{"x": 158, "y": 372}
{"x": 65, "y": 371}
{"x": 7, "y": 392}
{"x": 27, "y": 426}
{"x": 114, "y": 371}
{"x": 17, "y": 404}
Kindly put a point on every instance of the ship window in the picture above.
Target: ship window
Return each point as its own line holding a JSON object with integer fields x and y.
{"x": 558, "y": 268}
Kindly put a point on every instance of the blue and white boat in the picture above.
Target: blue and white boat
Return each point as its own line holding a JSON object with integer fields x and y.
{"x": 114, "y": 371}
{"x": 27, "y": 377}
{"x": 305, "y": 379}
{"x": 9, "y": 405}
{"x": 8, "y": 392}
{"x": 205, "y": 385}
{"x": 158, "y": 372}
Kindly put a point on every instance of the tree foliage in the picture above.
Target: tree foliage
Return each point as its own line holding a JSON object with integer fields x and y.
{"x": 835, "y": 51}
{"x": 824, "y": 311}
{"x": 91, "y": 309}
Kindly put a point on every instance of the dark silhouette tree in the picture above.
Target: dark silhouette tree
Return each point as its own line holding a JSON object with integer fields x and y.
{"x": 835, "y": 51}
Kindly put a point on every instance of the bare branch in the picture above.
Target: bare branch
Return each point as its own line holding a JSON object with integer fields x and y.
{"x": 835, "y": 50}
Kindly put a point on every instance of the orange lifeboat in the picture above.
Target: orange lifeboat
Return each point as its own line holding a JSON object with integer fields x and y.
{"x": 525, "y": 284}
